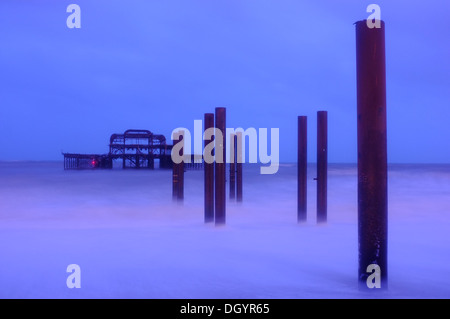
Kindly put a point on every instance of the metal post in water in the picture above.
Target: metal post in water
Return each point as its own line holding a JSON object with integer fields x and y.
{"x": 238, "y": 151}
{"x": 232, "y": 166}
{"x": 178, "y": 174}
{"x": 322, "y": 166}
{"x": 372, "y": 155}
{"x": 220, "y": 156}
{"x": 181, "y": 172}
{"x": 209, "y": 174}
{"x": 175, "y": 181}
{"x": 301, "y": 168}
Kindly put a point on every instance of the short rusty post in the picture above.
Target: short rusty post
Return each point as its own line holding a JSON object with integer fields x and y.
{"x": 174, "y": 182}
{"x": 220, "y": 172}
{"x": 209, "y": 174}
{"x": 322, "y": 166}
{"x": 238, "y": 151}
{"x": 301, "y": 168}
{"x": 372, "y": 154}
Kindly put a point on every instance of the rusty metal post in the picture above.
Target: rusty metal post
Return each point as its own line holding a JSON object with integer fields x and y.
{"x": 372, "y": 151}
{"x": 178, "y": 174}
{"x": 301, "y": 169}
{"x": 232, "y": 166}
{"x": 238, "y": 151}
{"x": 322, "y": 166}
{"x": 181, "y": 172}
{"x": 209, "y": 174}
{"x": 175, "y": 182}
{"x": 220, "y": 156}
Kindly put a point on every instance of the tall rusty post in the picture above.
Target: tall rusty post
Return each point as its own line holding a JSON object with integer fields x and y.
{"x": 220, "y": 172}
{"x": 181, "y": 173}
{"x": 209, "y": 174}
{"x": 233, "y": 166}
{"x": 322, "y": 166}
{"x": 178, "y": 174}
{"x": 238, "y": 150}
{"x": 301, "y": 168}
{"x": 372, "y": 153}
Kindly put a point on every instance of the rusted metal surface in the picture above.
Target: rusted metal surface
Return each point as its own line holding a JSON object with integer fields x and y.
{"x": 233, "y": 166}
{"x": 181, "y": 173}
{"x": 178, "y": 174}
{"x": 220, "y": 173}
{"x": 175, "y": 181}
{"x": 301, "y": 168}
{"x": 239, "y": 150}
{"x": 372, "y": 151}
{"x": 209, "y": 174}
{"x": 322, "y": 166}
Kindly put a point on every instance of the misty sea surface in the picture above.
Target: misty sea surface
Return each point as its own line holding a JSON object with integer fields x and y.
{"x": 132, "y": 241}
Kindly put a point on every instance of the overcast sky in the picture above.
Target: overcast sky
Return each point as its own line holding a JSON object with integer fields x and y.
{"x": 158, "y": 65}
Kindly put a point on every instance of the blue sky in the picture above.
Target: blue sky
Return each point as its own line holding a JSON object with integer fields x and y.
{"x": 159, "y": 65}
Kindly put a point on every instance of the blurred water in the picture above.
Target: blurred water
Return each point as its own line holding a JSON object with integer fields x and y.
{"x": 131, "y": 240}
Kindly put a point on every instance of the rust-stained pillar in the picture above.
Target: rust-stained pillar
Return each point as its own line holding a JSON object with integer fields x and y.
{"x": 233, "y": 166}
{"x": 239, "y": 150}
{"x": 220, "y": 156}
{"x": 372, "y": 152}
{"x": 209, "y": 174}
{"x": 322, "y": 166}
{"x": 175, "y": 182}
{"x": 301, "y": 169}
{"x": 178, "y": 173}
{"x": 181, "y": 172}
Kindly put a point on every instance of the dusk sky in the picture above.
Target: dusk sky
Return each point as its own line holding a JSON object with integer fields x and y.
{"x": 159, "y": 65}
